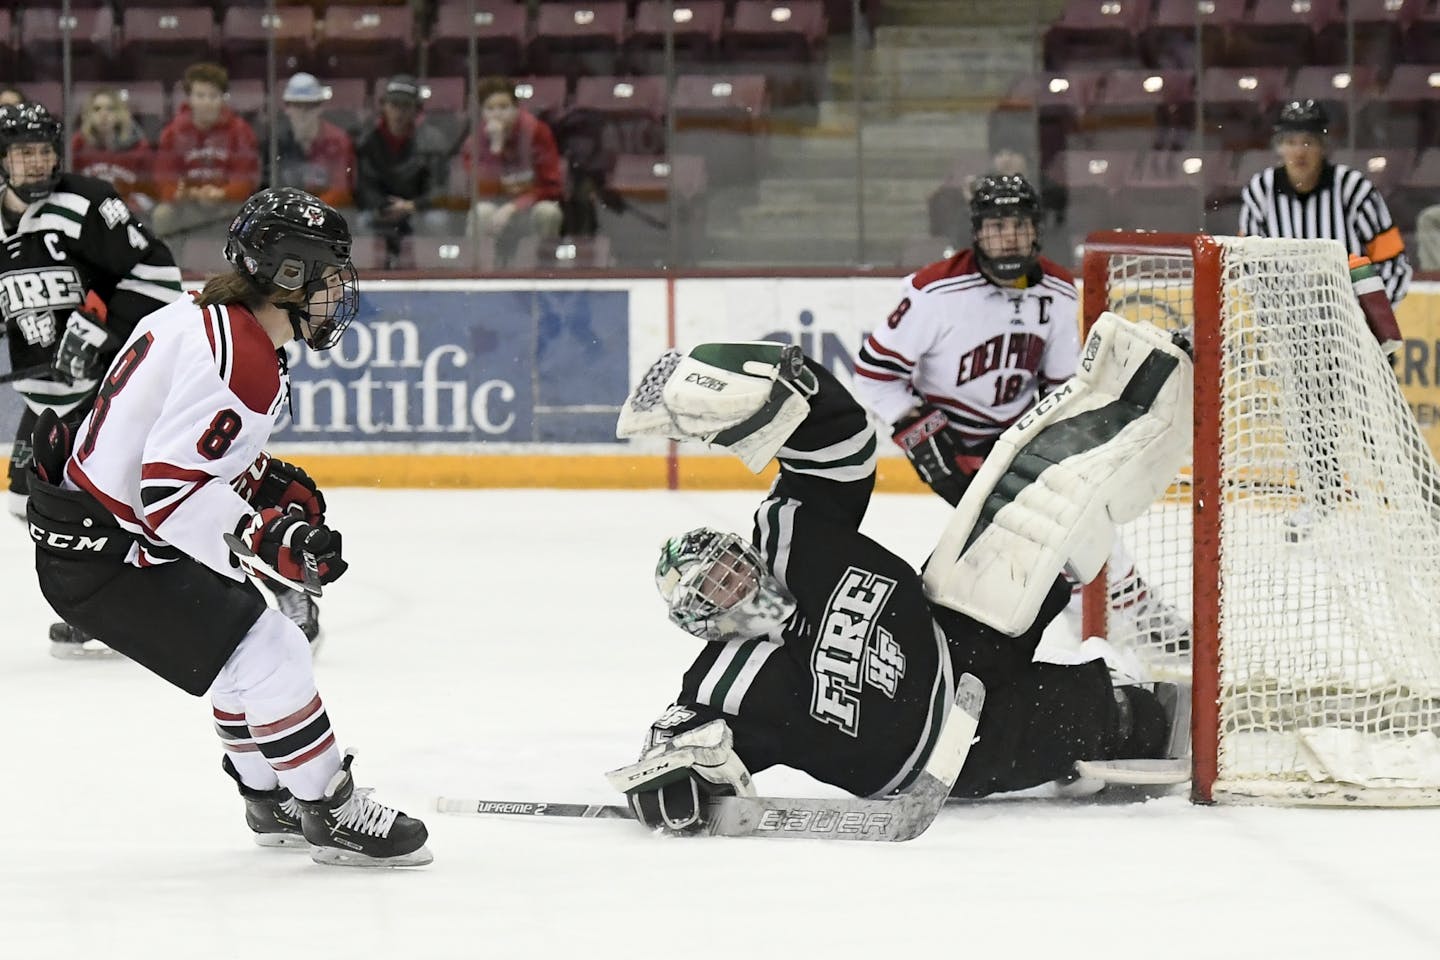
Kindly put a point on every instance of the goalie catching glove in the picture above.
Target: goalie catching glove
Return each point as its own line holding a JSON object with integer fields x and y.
{"x": 288, "y": 544}
{"x": 746, "y": 397}
{"x": 670, "y": 784}
{"x": 924, "y": 436}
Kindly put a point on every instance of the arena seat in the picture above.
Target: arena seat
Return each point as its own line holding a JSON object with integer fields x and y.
{"x": 1095, "y": 34}
{"x": 546, "y": 97}
{"x": 245, "y": 32}
{"x": 1168, "y": 191}
{"x": 1286, "y": 33}
{"x": 350, "y": 105}
{"x": 566, "y": 253}
{"x": 1421, "y": 40}
{"x": 1143, "y": 108}
{"x": 1406, "y": 113}
{"x": 1335, "y": 87}
{"x": 722, "y": 118}
{"x": 1240, "y": 103}
{"x": 1092, "y": 179}
{"x": 500, "y": 30}
{"x": 1168, "y": 40}
{"x": 1387, "y": 168}
{"x": 158, "y": 43}
{"x": 574, "y": 38}
{"x": 637, "y": 231}
{"x": 1060, "y": 101}
{"x": 451, "y": 254}
{"x": 9, "y": 62}
{"x": 697, "y": 26}
{"x": 92, "y": 43}
{"x": 1379, "y": 31}
{"x": 366, "y": 41}
{"x": 48, "y": 93}
{"x": 783, "y": 40}
{"x": 631, "y": 111}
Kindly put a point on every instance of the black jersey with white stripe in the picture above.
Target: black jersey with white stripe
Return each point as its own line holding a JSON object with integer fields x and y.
{"x": 855, "y": 686}
{"x": 1344, "y": 206}
{"x": 81, "y": 238}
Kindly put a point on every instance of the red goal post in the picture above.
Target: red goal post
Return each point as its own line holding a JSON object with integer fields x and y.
{"x": 1302, "y": 543}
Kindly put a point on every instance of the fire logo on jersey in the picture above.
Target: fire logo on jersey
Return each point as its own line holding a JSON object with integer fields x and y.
{"x": 850, "y": 650}
{"x": 30, "y": 297}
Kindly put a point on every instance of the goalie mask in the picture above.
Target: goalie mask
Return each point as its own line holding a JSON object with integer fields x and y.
{"x": 1004, "y": 215}
{"x": 717, "y": 587}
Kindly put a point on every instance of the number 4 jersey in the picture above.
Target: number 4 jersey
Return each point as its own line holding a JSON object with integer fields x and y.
{"x": 983, "y": 353}
{"x": 185, "y": 408}
{"x": 81, "y": 238}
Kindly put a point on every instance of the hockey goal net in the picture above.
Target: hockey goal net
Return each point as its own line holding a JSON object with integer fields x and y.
{"x": 1293, "y": 568}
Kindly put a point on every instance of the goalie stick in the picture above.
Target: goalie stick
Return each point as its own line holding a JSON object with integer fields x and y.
{"x": 253, "y": 565}
{"x": 25, "y": 373}
{"x": 902, "y": 817}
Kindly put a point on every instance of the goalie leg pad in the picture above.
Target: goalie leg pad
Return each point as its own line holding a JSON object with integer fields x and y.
{"x": 746, "y": 397}
{"x": 1095, "y": 453}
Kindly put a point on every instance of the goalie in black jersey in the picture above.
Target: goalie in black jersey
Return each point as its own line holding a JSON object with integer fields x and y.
{"x": 77, "y": 272}
{"x": 828, "y": 653}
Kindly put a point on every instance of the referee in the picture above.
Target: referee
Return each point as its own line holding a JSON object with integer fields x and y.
{"x": 1306, "y": 197}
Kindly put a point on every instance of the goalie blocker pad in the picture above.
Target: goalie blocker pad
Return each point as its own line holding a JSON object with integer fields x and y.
{"x": 1096, "y": 452}
{"x": 746, "y": 397}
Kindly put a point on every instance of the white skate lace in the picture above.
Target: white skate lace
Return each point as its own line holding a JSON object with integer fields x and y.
{"x": 364, "y": 815}
{"x": 291, "y": 808}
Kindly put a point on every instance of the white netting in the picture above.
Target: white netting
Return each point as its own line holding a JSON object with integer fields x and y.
{"x": 1329, "y": 616}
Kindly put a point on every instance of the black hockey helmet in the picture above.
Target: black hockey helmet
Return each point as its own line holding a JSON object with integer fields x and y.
{"x": 286, "y": 240}
{"x": 1302, "y": 116}
{"x": 1003, "y": 196}
{"x": 30, "y": 122}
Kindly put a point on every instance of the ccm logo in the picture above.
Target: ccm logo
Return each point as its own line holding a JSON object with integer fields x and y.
{"x": 709, "y": 383}
{"x": 64, "y": 541}
{"x": 824, "y": 821}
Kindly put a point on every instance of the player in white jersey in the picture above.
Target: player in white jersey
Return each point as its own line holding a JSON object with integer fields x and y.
{"x": 975, "y": 342}
{"x": 131, "y": 525}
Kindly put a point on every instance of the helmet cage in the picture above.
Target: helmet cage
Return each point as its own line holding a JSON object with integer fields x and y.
{"x": 1008, "y": 196}
{"x": 30, "y": 123}
{"x": 718, "y": 589}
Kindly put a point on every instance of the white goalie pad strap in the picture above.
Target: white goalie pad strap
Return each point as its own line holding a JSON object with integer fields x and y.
{"x": 1095, "y": 453}
{"x": 746, "y": 397}
{"x": 707, "y": 751}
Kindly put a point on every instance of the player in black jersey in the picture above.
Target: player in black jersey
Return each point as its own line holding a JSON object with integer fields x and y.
{"x": 825, "y": 651}
{"x": 77, "y": 272}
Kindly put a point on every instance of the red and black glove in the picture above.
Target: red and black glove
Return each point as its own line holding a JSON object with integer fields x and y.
{"x": 275, "y": 483}
{"x": 285, "y": 541}
{"x": 925, "y": 437}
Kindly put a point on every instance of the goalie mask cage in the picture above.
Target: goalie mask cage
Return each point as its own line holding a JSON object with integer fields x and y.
{"x": 1302, "y": 540}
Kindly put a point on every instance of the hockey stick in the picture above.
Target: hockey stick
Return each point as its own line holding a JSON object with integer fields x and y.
{"x": 903, "y": 817}
{"x": 254, "y": 566}
{"x": 25, "y": 373}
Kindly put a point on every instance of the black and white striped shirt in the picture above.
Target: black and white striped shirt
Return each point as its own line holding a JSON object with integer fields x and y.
{"x": 1344, "y": 206}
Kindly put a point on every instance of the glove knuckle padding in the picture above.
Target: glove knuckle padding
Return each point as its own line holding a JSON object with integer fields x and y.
{"x": 747, "y": 397}
{"x": 1095, "y": 453}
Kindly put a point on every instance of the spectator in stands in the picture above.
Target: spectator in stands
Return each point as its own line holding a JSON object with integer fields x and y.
{"x": 208, "y": 159}
{"x": 311, "y": 152}
{"x": 401, "y": 170}
{"x": 110, "y": 145}
{"x": 517, "y": 171}
{"x": 11, "y": 96}
{"x": 950, "y": 203}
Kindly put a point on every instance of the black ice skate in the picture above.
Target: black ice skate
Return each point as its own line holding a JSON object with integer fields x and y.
{"x": 347, "y": 828}
{"x": 272, "y": 815}
{"x": 72, "y": 643}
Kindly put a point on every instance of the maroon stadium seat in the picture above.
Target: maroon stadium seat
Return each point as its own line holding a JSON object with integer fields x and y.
{"x": 350, "y": 105}
{"x": 1387, "y": 168}
{"x": 1168, "y": 190}
{"x": 722, "y": 119}
{"x": 543, "y": 96}
{"x": 245, "y": 32}
{"x": 1143, "y": 108}
{"x": 1419, "y": 189}
{"x": 697, "y": 28}
{"x": 500, "y": 30}
{"x": 1092, "y": 181}
{"x": 578, "y": 253}
{"x": 158, "y": 43}
{"x": 631, "y": 111}
{"x": 1169, "y": 38}
{"x": 1060, "y": 101}
{"x": 1287, "y": 33}
{"x": 1379, "y": 30}
{"x": 366, "y": 41}
{"x": 92, "y": 43}
{"x": 637, "y": 235}
{"x": 772, "y": 30}
{"x": 456, "y": 254}
{"x": 9, "y": 64}
{"x": 1407, "y": 111}
{"x": 47, "y": 93}
{"x": 1240, "y": 104}
{"x": 1095, "y": 33}
{"x": 1421, "y": 42}
{"x": 574, "y": 38}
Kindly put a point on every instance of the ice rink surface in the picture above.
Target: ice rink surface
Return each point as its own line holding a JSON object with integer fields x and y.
{"x": 511, "y": 645}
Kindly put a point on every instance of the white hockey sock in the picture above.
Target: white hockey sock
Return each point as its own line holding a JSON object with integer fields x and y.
{"x": 255, "y": 771}
{"x": 271, "y": 677}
